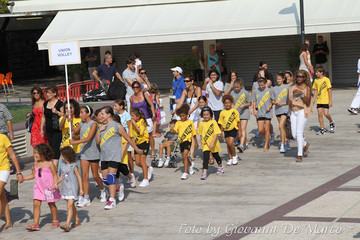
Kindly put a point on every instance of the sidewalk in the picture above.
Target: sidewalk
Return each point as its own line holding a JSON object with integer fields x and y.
{"x": 264, "y": 190}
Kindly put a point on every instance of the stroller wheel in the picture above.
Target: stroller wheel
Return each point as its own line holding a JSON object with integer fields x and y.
{"x": 85, "y": 99}
{"x": 153, "y": 163}
{"x": 174, "y": 164}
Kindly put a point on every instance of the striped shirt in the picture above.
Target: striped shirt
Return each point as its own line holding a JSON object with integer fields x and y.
{"x": 4, "y": 117}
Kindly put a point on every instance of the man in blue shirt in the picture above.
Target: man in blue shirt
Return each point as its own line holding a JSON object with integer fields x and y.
{"x": 178, "y": 85}
{"x": 107, "y": 72}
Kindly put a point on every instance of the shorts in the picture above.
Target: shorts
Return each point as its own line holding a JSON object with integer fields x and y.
{"x": 322, "y": 106}
{"x": 283, "y": 114}
{"x": 150, "y": 126}
{"x": 263, "y": 119}
{"x": 106, "y": 164}
{"x": 185, "y": 146}
{"x": 143, "y": 146}
{"x": 232, "y": 133}
{"x": 93, "y": 161}
{"x": 4, "y": 176}
{"x": 123, "y": 169}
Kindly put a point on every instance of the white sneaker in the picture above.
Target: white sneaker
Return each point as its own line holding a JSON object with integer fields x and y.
{"x": 184, "y": 176}
{"x": 235, "y": 161}
{"x": 79, "y": 201}
{"x": 229, "y": 162}
{"x": 110, "y": 205}
{"x": 103, "y": 196}
{"x": 84, "y": 203}
{"x": 282, "y": 148}
{"x": 166, "y": 164}
{"x": 160, "y": 163}
{"x": 144, "y": 183}
{"x": 150, "y": 172}
{"x": 191, "y": 168}
{"x": 132, "y": 181}
{"x": 121, "y": 194}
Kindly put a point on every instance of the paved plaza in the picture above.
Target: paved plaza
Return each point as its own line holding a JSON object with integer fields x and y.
{"x": 268, "y": 194}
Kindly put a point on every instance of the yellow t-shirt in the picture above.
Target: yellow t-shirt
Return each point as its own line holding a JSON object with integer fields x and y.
{"x": 229, "y": 119}
{"x": 142, "y": 136}
{"x": 207, "y": 130}
{"x": 322, "y": 85}
{"x": 66, "y": 135}
{"x": 4, "y": 160}
{"x": 185, "y": 130}
{"x": 124, "y": 159}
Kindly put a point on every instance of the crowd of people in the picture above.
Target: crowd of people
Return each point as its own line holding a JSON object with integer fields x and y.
{"x": 109, "y": 140}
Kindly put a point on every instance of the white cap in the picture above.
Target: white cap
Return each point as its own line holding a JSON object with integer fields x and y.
{"x": 177, "y": 69}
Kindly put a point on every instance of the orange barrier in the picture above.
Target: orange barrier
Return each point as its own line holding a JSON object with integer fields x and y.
{"x": 76, "y": 90}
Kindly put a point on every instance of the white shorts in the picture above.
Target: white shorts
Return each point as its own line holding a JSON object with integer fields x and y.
{"x": 4, "y": 176}
{"x": 130, "y": 148}
{"x": 150, "y": 126}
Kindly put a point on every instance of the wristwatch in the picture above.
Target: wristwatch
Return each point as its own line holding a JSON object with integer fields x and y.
{"x": 19, "y": 173}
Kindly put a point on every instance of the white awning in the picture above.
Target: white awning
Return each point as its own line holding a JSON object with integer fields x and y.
{"x": 200, "y": 21}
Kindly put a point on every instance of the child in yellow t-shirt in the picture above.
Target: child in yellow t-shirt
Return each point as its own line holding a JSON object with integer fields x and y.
{"x": 323, "y": 95}
{"x": 185, "y": 129}
{"x": 209, "y": 131}
{"x": 229, "y": 121}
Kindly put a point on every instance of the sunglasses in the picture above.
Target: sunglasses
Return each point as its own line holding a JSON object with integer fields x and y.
{"x": 187, "y": 81}
{"x": 143, "y": 73}
{"x": 39, "y": 173}
{"x": 300, "y": 76}
{"x": 135, "y": 87}
{"x": 35, "y": 93}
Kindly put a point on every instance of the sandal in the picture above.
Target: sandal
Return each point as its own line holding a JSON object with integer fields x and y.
{"x": 66, "y": 228}
{"x": 33, "y": 227}
{"x": 299, "y": 159}
{"x": 212, "y": 161}
{"x": 75, "y": 224}
{"x": 6, "y": 227}
{"x": 306, "y": 148}
{"x": 55, "y": 223}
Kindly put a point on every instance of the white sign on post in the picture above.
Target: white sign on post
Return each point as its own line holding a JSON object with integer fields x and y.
{"x": 62, "y": 53}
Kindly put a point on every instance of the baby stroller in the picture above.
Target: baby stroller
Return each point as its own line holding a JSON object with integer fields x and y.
{"x": 174, "y": 151}
{"x": 95, "y": 95}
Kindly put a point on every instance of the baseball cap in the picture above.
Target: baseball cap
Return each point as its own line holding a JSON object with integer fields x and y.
{"x": 177, "y": 69}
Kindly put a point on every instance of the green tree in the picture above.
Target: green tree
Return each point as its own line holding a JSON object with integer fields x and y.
{"x": 188, "y": 63}
{"x": 3, "y": 7}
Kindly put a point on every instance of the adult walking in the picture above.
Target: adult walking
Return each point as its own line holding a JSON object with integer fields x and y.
{"x": 299, "y": 101}
{"x": 214, "y": 92}
{"x": 5, "y": 122}
{"x": 355, "y": 104}
{"x": 144, "y": 80}
{"x": 304, "y": 63}
{"x": 53, "y": 110}
{"x": 107, "y": 71}
{"x": 320, "y": 52}
{"x": 129, "y": 75}
{"x": 178, "y": 87}
{"x": 141, "y": 101}
{"x": 37, "y": 100}
{"x": 212, "y": 61}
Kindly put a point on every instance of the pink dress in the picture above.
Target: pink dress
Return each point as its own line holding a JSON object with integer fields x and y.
{"x": 35, "y": 130}
{"x": 44, "y": 181}
{"x": 157, "y": 109}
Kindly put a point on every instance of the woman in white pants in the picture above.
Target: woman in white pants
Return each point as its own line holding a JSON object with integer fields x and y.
{"x": 299, "y": 101}
{"x": 355, "y": 104}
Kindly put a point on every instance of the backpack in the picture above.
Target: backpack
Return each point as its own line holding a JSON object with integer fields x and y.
{"x": 117, "y": 90}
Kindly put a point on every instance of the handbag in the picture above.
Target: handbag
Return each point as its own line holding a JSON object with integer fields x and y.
{"x": 148, "y": 107}
{"x": 29, "y": 122}
{"x": 288, "y": 129}
{"x": 55, "y": 120}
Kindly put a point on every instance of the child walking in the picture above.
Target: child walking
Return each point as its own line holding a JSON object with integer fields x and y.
{"x": 44, "y": 172}
{"x": 185, "y": 129}
{"x": 279, "y": 96}
{"x": 71, "y": 183}
{"x": 209, "y": 131}
{"x": 169, "y": 139}
{"x": 262, "y": 109}
{"x": 229, "y": 121}
{"x": 323, "y": 98}
{"x": 141, "y": 138}
{"x": 242, "y": 102}
{"x": 89, "y": 155}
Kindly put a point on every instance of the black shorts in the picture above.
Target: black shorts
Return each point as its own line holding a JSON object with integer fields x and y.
{"x": 231, "y": 133}
{"x": 143, "y": 146}
{"x": 123, "y": 168}
{"x": 106, "y": 164}
{"x": 322, "y": 106}
{"x": 263, "y": 119}
{"x": 185, "y": 146}
{"x": 283, "y": 114}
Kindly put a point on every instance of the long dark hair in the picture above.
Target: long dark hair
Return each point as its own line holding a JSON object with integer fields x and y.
{"x": 76, "y": 106}
{"x": 38, "y": 89}
{"x": 138, "y": 112}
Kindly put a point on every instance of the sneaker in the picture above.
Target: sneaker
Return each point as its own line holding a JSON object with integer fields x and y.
{"x": 272, "y": 137}
{"x": 282, "y": 148}
{"x": 229, "y": 162}
{"x": 79, "y": 201}
{"x": 237, "y": 142}
{"x": 203, "y": 176}
{"x": 322, "y": 131}
{"x": 132, "y": 181}
{"x": 235, "y": 161}
{"x": 160, "y": 163}
{"x": 150, "y": 172}
{"x": 240, "y": 148}
{"x": 121, "y": 194}
{"x": 84, "y": 203}
{"x": 103, "y": 196}
{"x": 353, "y": 111}
{"x": 247, "y": 146}
{"x": 262, "y": 143}
{"x": 184, "y": 176}
{"x": 332, "y": 127}
{"x": 257, "y": 134}
{"x": 191, "y": 169}
{"x": 110, "y": 205}
{"x": 287, "y": 146}
{"x": 144, "y": 183}
{"x": 166, "y": 164}
{"x": 220, "y": 171}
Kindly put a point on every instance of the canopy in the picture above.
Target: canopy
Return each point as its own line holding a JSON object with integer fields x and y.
{"x": 200, "y": 20}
